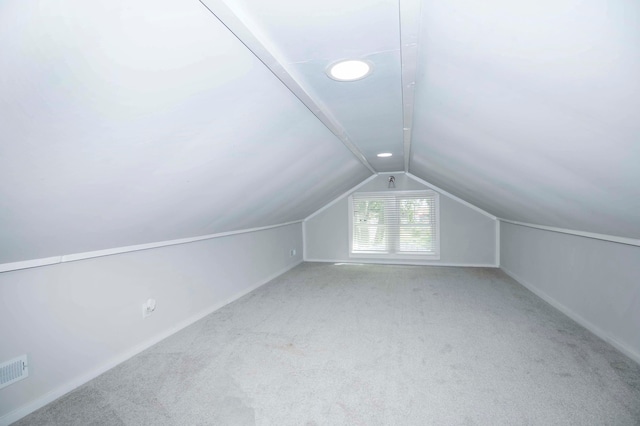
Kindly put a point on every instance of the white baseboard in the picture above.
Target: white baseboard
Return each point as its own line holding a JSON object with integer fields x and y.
{"x": 51, "y": 396}
{"x": 631, "y": 353}
{"x": 402, "y": 262}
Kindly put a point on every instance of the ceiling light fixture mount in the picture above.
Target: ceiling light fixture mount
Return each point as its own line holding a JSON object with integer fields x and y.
{"x": 349, "y": 70}
{"x": 385, "y": 154}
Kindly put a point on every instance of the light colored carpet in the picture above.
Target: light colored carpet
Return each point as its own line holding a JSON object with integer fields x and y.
{"x": 369, "y": 345}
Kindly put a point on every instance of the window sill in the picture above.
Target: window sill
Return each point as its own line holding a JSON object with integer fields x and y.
{"x": 394, "y": 256}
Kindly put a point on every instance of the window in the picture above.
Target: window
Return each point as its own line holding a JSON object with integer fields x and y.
{"x": 399, "y": 224}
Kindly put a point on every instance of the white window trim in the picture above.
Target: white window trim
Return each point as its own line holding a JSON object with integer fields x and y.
{"x": 396, "y": 256}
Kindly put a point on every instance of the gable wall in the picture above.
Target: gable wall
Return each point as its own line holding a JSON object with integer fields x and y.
{"x": 467, "y": 237}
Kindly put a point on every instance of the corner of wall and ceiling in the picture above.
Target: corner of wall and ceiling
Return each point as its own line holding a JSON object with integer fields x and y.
{"x": 340, "y": 197}
{"x": 585, "y": 234}
{"x": 453, "y": 197}
{"x": 34, "y": 263}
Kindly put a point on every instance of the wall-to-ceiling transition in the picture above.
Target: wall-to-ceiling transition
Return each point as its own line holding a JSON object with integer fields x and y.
{"x": 129, "y": 123}
{"x": 126, "y": 124}
{"x": 531, "y": 110}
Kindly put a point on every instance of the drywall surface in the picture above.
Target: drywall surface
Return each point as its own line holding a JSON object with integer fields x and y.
{"x": 531, "y": 110}
{"x": 466, "y": 236}
{"x": 595, "y": 282}
{"x": 99, "y": 144}
{"x": 76, "y": 319}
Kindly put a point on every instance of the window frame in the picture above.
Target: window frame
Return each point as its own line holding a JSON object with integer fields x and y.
{"x": 393, "y": 245}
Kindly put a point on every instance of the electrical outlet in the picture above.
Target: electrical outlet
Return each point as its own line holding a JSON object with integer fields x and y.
{"x": 292, "y": 253}
{"x": 148, "y": 307}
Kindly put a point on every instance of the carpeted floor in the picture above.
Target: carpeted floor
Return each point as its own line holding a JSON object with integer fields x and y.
{"x": 332, "y": 344}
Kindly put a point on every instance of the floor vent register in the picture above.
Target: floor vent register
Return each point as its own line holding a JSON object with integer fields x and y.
{"x": 13, "y": 370}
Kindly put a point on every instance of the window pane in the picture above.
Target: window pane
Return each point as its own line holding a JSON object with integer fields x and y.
{"x": 416, "y": 239}
{"x": 414, "y": 210}
{"x": 369, "y": 238}
{"x": 391, "y": 224}
{"x": 368, "y": 212}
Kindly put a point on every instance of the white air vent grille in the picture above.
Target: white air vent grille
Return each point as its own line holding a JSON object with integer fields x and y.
{"x": 14, "y": 370}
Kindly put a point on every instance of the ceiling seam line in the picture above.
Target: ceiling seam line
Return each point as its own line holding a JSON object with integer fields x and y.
{"x": 333, "y": 125}
{"x": 408, "y": 15}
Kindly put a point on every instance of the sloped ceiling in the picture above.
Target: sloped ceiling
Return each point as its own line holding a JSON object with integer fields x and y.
{"x": 133, "y": 122}
{"x": 124, "y": 123}
{"x": 531, "y": 110}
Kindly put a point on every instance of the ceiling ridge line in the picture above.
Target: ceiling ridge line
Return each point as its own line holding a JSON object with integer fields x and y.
{"x": 409, "y": 21}
{"x": 246, "y": 36}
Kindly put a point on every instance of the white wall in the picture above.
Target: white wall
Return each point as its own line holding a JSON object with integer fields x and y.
{"x": 77, "y": 319}
{"x": 595, "y": 282}
{"x": 467, "y": 237}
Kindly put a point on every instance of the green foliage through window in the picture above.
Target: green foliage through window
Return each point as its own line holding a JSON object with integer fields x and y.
{"x": 401, "y": 223}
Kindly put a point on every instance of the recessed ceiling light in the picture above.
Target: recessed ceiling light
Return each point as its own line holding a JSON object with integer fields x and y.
{"x": 385, "y": 154}
{"x": 349, "y": 70}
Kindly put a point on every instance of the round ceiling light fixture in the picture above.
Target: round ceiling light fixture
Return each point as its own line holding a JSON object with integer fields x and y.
{"x": 385, "y": 154}
{"x": 350, "y": 70}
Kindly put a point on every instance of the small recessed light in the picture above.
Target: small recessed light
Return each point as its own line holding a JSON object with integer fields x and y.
{"x": 350, "y": 70}
{"x": 385, "y": 154}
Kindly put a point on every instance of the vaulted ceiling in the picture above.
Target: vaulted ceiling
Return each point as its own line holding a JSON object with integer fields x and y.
{"x": 132, "y": 122}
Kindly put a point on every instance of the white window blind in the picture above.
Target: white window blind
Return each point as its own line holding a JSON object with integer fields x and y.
{"x": 395, "y": 223}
